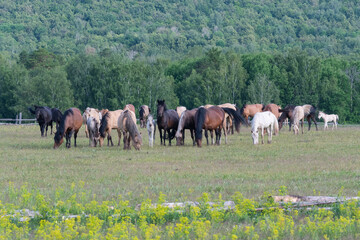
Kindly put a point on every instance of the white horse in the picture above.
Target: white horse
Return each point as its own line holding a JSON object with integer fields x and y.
{"x": 298, "y": 115}
{"x": 329, "y": 118}
{"x": 151, "y": 128}
{"x": 261, "y": 121}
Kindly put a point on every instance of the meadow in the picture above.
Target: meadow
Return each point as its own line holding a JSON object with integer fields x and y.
{"x": 315, "y": 163}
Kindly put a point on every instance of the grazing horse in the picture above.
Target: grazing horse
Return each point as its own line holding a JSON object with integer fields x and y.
{"x": 213, "y": 118}
{"x": 91, "y": 112}
{"x": 128, "y": 127}
{"x": 310, "y": 112}
{"x": 273, "y": 108}
{"x": 93, "y": 127}
{"x": 144, "y": 112}
{"x": 151, "y": 128}
{"x": 298, "y": 115}
{"x": 286, "y": 113}
{"x": 329, "y": 118}
{"x": 261, "y": 121}
{"x": 43, "y": 117}
{"x": 56, "y": 117}
{"x": 187, "y": 121}
{"x": 70, "y": 123}
{"x": 180, "y": 110}
{"x": 109, "y": 121}
{"x": 249, "y": 110}
{"x": 167, "y": 120}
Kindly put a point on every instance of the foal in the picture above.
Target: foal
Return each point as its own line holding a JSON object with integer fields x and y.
{"x": 329, "y": 118}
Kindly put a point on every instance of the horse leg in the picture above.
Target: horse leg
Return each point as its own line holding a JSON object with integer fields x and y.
{"x": 87, "y": 131}
{"x": 192, "y": 136}
{"x": 69, "y": 138}
{"x": 119, "y": 135}
{"x": 212, "y": 137}
{"x": 128, "y": 141}
{"x": 75, "y": 136}
{"x": 225, "y": 133}
{"x": 302, "y": 126}
{"x": 124, "y": 140}
{"x": 262, "y": 135}
{"x": 169, "y": 136}
{"x": 183, "y": 137}
{"x": 269, "y": 132}
{"x": 161, "y": 141}
{"x": 42, "y": 129}
{"x": 315, "y": 122}
{"x": 207, "y": 137}
{"x": 309, "y": 121}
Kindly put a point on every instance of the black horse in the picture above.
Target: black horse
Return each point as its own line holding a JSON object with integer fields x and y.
{"x": 167, "y": 119}
{"x": 43, "y": 117}
{"x": 56, "y": 117}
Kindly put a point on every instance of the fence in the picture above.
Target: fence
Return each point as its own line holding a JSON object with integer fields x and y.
{"x": 18, "y": 120}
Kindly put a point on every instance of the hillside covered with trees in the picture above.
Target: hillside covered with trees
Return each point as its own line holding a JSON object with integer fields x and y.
{"x": 171, "y": 28}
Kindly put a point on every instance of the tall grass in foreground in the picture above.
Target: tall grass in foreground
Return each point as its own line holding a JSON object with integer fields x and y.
{"x": 81, "y": 216}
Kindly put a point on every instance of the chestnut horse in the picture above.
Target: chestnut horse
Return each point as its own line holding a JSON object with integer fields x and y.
{"x": 128, "y": 127}
{"x": 273, "y": 108}
{"x": 109, "y": 121}
{"x": 187, "y": 121}
{"x": 71, "y": 122}
{"x": 213, "y": 118}
{"x": 167, "y": 120}
{"x": 249, "y": 110}
{"x": 144, "y": 112}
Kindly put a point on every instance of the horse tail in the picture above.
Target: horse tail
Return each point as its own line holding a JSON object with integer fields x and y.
{"x": 238, "y": 118}
{"x": 263, "y": 107}
{"x": 276, "y": 126}
{"x": 199, "y": 122}
{"x": 103, "y": 125}
{"x": 31, "y": 111}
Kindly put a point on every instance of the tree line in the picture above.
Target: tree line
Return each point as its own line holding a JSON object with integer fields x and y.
{"x": 111, "y": 80}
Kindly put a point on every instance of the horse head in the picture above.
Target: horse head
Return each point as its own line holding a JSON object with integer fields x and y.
{"x": 58, "y": 139}
{"x": 161, "y": 108}
{"x": 137, "y": 141}
{"x": 255, "y": 136}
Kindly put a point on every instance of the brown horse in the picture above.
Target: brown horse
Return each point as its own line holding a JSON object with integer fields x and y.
{"x": 212, "y": 118}
{"x": 187, "y": 121}
{"x": 249, "y": 110}
{"x": 128, "y": 127}
{"x": 273, "y": 108}
{"x": 109, "y": 121}
{"x": 144, "y": 112}
{"x": 71, "y": 122}
{"x": 286, "y": 113}
{"x": 167, "y": 120}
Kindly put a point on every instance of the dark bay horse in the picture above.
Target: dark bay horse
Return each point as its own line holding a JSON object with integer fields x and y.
{"x": 187, "y": 121}
{"x": 43, "y": 117}
{"x": 70, "y": 123}
{"x": 167, "y": 119}
{"x": 286, "y": 113}
{"x": 144, "y": 112}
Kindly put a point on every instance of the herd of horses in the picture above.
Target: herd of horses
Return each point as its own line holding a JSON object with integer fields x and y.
{"x": 172, "y": 123}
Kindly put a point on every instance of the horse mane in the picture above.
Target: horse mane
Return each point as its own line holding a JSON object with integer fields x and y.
{"x": 103, "y": 125}
{"x": 200, "y": 119}
{"x": 263, "y": 107}
{"x": 60, "y": 132}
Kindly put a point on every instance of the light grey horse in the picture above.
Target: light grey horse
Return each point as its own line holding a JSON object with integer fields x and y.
{"x": 151, "y": 128}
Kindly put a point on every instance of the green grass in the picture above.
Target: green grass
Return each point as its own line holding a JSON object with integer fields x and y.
{"x": 322, "y": 161}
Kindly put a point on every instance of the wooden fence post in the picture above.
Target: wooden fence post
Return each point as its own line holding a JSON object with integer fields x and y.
{"x": 20, "y": 117}
{"x": 16, "y": 120}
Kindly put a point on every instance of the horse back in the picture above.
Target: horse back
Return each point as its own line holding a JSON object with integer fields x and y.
{"x": 171, "y": 118}
{"x": 214, "y": 117}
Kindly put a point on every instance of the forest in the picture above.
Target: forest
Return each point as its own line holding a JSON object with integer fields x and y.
{"x": 106, "y": 53}
{"x": 110, "y": 80}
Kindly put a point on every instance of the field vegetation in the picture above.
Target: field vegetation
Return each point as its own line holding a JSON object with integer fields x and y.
{"x": 103, "y": 186}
